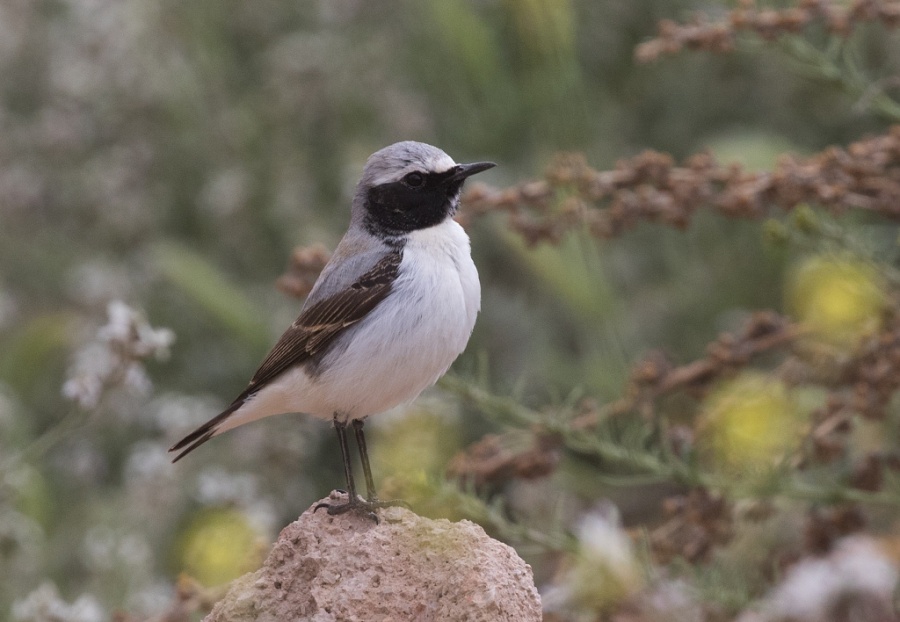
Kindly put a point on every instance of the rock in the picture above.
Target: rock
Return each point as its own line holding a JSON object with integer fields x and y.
{"x": 405, "y": 567}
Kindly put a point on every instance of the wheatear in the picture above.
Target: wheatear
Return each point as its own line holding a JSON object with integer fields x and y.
{"x": 390, "y": 312}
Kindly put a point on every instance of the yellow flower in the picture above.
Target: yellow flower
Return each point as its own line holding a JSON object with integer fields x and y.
{"x": 410, "y": 452}
{"x": 418, "y": 441}
{"x": 750, "y": 422}
{"x": 839, "y": 298}
{"x": 220, "y": 545}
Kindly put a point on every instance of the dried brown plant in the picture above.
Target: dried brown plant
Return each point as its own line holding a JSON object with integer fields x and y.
{"x": 824, "y": 526}
{"x": 696, "y": 523}
{"x": 651, "y": 187}
{"x": 859, "y": 383}
{"x": 720, "y": 36}
{"x": 656, "y": 376}
{"x": 490, "y": 461}
{"x": 306, "y": 264}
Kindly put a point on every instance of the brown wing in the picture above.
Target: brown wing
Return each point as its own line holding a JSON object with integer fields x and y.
{"x": 309, "y": 335}
{"x": 317, "y": 326}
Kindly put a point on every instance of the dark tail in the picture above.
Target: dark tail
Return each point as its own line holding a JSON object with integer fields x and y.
{"x": 205, "y": 432}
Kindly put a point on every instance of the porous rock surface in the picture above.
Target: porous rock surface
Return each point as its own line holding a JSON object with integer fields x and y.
{"x": 405, "y": 567}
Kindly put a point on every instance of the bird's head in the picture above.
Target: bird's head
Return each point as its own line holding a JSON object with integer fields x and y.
{"x": 408, "y": 186}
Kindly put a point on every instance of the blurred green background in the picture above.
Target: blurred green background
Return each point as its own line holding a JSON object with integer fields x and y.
{"x": 171, "y": 155}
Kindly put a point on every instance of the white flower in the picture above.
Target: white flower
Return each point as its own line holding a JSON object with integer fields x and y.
{"x": 157, "y": 340}
{"x": 116, "y": 358}
{"x": 121, "y": 324}
{"x": 105, "y": 548}
{"x": 857, "y": 567}
{"x": 146, "y": 464}
{"x": 602, "y": 539}
{"x": 127, "y": 328}
{"x": 136, "y": 379}
{"x": 45, "y": 605}
{"x": 83, "y": 389}
{"x": 603, "y": 573}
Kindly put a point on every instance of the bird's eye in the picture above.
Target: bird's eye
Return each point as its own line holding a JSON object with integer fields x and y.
{"x": 414, "y": 180}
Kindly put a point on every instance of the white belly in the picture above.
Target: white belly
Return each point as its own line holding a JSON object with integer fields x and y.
{"x": 414, "y": 335}
{"x": 401, "y": 348}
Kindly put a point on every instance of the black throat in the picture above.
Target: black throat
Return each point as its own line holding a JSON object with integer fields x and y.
{"x": 395, "y": 209}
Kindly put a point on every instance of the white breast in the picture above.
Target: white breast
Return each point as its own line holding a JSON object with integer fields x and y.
{"x": 411, "y": 339}
{"x": 401, "y": 348}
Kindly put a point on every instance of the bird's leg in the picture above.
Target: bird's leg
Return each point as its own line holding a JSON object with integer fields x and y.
{"x": 364, "y": 458}
{"x": 353, "y": 502}
{"x": 371, "y": 497}
{"x": 341, "y": 429}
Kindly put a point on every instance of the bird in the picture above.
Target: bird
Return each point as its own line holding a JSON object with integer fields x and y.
{"x": 390, "y": 312}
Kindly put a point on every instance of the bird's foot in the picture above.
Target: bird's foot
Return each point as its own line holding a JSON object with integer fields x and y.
{"x": 359, "y": 505}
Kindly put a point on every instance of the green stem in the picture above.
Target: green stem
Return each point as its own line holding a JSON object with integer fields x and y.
{"x": 822, "y": 65}
{"x": 666, "y": 466}
{"x": 483, "y": 513}
{"x": 504, "y": 409}
{"x": 70, "y": 422}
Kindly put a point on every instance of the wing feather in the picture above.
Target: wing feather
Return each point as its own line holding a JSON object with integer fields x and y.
{"x": 321, "y": 323}
{"x": 310, "y": 334}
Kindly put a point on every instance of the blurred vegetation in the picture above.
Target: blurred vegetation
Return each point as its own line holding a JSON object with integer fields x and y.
{"x": 172, "y": 154}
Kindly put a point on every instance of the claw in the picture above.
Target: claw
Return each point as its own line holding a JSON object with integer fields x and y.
{"x": 362, "y": 506}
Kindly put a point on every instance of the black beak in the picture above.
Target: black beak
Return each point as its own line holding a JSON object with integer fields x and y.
{"x": 467, "y": 170}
